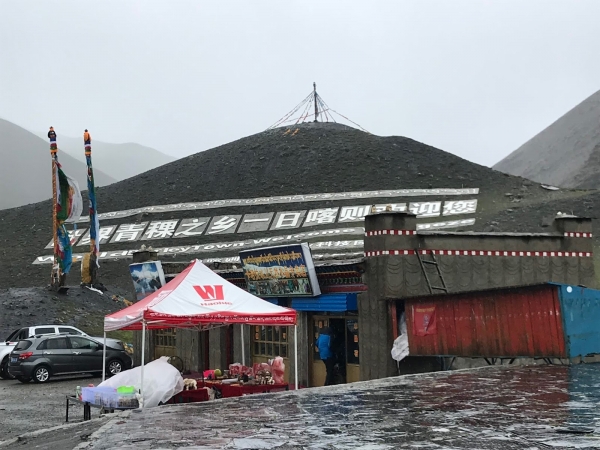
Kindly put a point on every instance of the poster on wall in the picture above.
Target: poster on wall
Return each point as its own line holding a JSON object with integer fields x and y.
{"x": 147, "y": 278}
{"x": 424, "y": 322}
{"x": 283, "y": 271}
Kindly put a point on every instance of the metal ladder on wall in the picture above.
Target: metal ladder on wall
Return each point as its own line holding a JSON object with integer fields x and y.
{"x": 434, "y": 263}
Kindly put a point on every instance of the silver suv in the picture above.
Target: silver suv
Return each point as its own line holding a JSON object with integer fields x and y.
{"x": 8, "y": 345}
{"x": 42, "y": 357}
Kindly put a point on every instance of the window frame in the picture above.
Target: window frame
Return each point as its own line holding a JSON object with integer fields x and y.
{"x": 90, "y": 343}
{"x": 44, "y": 344}
{"x": 37, "y": 333}
{"x": 257, "y": 344}
{"x": 165, "y": 337}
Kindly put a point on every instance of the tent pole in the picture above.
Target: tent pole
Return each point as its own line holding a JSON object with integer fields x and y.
{"x": 104, "y": 359}
{"x": 143, "y": 359}
{"x": 243, "y": 345}
{"x": 296, "y": 355}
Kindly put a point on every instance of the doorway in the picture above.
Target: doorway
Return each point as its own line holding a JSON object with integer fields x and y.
{"x": 344, "y": 346}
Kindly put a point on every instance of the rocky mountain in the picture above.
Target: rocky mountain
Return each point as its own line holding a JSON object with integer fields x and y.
{"x": 25, "y": 172}
{"x": 305, "y": 159}
{"x": 566, "y": 153}
{"x": 121, "y": 161}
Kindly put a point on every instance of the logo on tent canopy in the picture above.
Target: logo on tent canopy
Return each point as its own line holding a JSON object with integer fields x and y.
{"x": 210, "y": 292}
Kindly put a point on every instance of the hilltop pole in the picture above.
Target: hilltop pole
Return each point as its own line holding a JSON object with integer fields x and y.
{"x": 56, "y": 279}
{"x": 316, "y": 103}
{"x": 89, "y": 276}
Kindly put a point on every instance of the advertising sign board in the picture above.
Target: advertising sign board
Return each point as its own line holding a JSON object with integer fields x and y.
{"x": 282, "y": 271}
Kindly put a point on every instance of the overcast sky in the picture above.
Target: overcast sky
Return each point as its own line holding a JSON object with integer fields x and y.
{"x": 475, "y": 78}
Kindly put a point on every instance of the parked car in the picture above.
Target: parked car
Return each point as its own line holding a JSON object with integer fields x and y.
{"x": 42, "y": 357}
{"x": 8, "y": 345}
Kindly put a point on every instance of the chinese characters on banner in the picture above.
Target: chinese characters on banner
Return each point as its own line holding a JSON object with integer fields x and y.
{"x": 74, "y": 236}
{"x": 280, "y": 221}
{"x": 129, "y": 232}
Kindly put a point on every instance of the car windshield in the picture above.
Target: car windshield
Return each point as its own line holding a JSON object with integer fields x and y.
{"x": 12, "y": 336}
{"x": 23, "y": 345}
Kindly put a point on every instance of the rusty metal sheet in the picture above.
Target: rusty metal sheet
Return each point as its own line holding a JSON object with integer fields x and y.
{"x": 512, "y": 322}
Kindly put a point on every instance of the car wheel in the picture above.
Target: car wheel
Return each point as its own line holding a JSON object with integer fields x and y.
{"x": 4, "y": 370}
{"x": 41, "y": 374}
{"x": 114, "y": 367}
{"x": 23, "y": 379}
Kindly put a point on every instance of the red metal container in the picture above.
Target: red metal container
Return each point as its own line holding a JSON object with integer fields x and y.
{"x": 507, "y": 322}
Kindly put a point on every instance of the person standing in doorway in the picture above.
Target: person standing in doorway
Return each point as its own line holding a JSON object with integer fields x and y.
{"x": 324, "y": 346}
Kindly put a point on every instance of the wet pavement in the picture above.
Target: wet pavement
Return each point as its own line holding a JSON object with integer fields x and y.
{"x": 506, "y": 407}
{"x": 30, "y": 407}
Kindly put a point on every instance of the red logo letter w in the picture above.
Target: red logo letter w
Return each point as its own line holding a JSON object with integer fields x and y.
{"x": 210, "y": 292}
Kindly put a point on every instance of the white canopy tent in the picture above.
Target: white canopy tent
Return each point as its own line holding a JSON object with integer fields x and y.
{"x": 199, "y": 298}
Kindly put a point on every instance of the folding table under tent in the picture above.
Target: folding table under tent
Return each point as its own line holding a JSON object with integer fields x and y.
{"x": 198, "y": 298}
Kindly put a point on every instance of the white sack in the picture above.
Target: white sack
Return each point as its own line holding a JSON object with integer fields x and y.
{"x": 400, "y": 347}
{"x": 161, "y": 381}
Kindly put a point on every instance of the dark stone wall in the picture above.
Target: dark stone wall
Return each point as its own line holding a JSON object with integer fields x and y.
{"x": 391, "y": 276}
{"x": 217, "y": 353}
{"x": 375, "y": 336}
{"x": 401, "y": 275}
{"x": 188, "y": 348}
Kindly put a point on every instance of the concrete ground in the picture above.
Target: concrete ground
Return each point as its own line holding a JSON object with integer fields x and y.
{"x": 30, "y": 407}
{"x": 499, "y": 407}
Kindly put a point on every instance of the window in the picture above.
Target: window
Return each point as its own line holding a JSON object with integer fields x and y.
{"x": 23, "y": 334}
{"x": 48, "y": 330}
{"x": 22, "y": 345}
{"x": 12, "y": 336}
{"x": 269, "y": 341}
{"x": 82, "y": 343}
{"x": 166, "y": 337}
{"x": 54, "y": 344}
{"x": 70, "y": 331}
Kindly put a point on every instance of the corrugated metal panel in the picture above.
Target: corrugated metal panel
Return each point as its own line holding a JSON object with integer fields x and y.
{"x": 327, "y": 302}
{"x": 497, "y": 323}
{"x": 581, "y": 319}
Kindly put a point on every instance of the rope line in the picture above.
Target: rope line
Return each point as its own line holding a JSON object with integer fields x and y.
{"x": 304, "y": 107}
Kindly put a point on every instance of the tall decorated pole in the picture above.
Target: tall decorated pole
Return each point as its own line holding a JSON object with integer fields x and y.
{"x": 56, "y": 276}
{"x": 67, "y": 205}
{"x": 89, "y": 276}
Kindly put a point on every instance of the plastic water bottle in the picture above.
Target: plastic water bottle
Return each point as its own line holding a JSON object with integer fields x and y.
{"x": 78, "y": 392}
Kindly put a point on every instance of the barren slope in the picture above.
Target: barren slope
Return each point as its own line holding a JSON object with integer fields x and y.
{"x": 563, "y": 153}
{"x": 311, "y": 158}
{"x": 25, "y": 172}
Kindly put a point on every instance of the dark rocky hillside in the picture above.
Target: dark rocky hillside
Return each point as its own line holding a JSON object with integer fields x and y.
{"x": 310, "y": 158}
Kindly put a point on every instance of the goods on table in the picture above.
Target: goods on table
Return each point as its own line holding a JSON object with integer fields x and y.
{"x": 275, "y": 368}
{"x": 110, "y": 397}
{"x": 264, "y": 377}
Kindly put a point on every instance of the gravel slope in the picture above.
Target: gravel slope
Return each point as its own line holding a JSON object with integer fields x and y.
{"x": 565, "y": 153}
{"x": 310, "y": 158}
